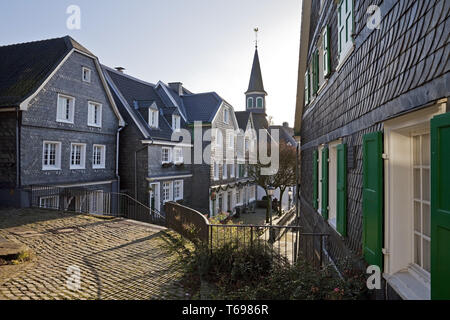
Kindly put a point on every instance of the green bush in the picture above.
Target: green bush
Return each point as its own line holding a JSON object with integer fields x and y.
{"x": 258, "y": 272}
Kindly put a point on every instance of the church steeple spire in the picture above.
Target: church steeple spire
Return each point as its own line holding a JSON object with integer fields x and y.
{"x": 255, "y": 95}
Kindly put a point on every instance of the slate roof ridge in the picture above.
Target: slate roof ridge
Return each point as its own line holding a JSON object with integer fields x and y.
{"x": 31, "y": 42}
{"x": 128, "y": 76}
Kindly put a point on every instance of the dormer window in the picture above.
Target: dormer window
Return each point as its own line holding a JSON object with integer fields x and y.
{"x": 176, "y": 123}
{"x": 153, "y": 118}
{"x": 250, "y": 103}
{"x": 260, "y": 102}
{"x": 226, "y": 116}
{"x": 86, "y": 74}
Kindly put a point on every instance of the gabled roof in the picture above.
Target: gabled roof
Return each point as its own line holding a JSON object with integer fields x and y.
{"x": 135, "y": 97}
{"x": 242, "y": 118}
{"x": 202, "y": 106}
{"x": 25, "y": 66}
{"x": 286, "y": 134}
{"x": 256, "y": 81}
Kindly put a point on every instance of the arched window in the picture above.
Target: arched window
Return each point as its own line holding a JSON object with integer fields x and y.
{"x": 259, "y": 103}
{"x": 250, "y": 103}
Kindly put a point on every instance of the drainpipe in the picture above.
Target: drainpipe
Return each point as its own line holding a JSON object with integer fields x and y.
{"x": 17, "y": 149}
{"x": 117, "y": 164}
{"x": 297, "y": 205}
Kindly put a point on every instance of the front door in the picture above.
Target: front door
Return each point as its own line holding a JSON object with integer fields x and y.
{"x": 154, "y": 197}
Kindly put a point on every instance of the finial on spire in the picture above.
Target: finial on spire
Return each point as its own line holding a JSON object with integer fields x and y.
{"x": 256, "y": 36}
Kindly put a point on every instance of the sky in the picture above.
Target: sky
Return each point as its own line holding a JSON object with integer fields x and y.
{"x": 208, "y": 45}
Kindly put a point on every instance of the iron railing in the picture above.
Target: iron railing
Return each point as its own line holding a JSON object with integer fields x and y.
{"x": 283, "y": 242}
{"x": 83, "y": 200}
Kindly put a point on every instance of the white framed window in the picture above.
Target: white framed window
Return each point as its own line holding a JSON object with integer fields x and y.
{"x": 216, "y": 171}
{"x": 77, "y": 156}
{"x": 50, "y": 202}
{"x": 98, "y": 202}
{"x": 325, "y": 53}
{"x": 178, "y": 155}
{"x": 422, "y": 200}
{"x": 250, "y": 103}
{"x": 176, "y": 123}
{"x": 238, "y": 197}
{"x": 345, "y": 28}
{"x": 226, "y": 115}
{"x": 99, "y": 156}
{"x": 407, "y": 202}
{"x": 51, "y": 155}
{"x": 167, "y": 193}
{"x": 259, "y": 103}
{"x": 153, "y": 118}
{"x": 94, "y": 114}
{"x": 232, "y": 170}
{"x": 178, "y": 190}
{"x": 245, "y": 171}
{"x": 166, "y": 155}
{"x": 225, "y": 171}
{"x": 65, "y": 109}
{"x": 332, "y": 183}
{"x": 230, "y": 139}
{"x": 86, "y": 74}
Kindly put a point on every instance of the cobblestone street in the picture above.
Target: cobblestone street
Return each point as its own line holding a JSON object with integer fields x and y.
{"x": 118, "y": 259}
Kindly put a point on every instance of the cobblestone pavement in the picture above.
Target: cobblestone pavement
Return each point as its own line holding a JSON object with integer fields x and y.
{"x": 118, "y": 259}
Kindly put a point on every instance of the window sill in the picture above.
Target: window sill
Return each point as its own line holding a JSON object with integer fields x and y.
{"x": 50, "y": 169}
{"x": 409, "y": 285}
{"x": 99, "y": 168}
{"x": 94, "y": 125}
{"x": 77, "y": 168}
{"x": 64, "y": 121}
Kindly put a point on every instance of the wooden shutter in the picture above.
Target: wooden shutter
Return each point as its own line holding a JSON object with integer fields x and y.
{"x": 373, "y": 198}
{"x": 440, "y": 207}
{"x": 341, "y": 200}
{"x": 325, "y": 183}
{"x": 315, "y": 179}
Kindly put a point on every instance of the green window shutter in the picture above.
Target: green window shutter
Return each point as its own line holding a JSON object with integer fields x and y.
{"x": 341, "y": 199}
{"x": 440, "y": 207}
{"x": 325, "y": 183}
{"x": 316, "y": 81}
{"x": 373, "y": 198}
{"x": 315, "y": 179}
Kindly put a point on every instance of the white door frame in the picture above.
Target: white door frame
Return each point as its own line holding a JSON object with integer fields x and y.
{"x": 157, "y": 195}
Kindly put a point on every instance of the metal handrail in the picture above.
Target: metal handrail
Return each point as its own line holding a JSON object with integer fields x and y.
{"x": 137, "y": 201}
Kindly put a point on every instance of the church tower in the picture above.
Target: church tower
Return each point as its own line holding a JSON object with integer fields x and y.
{"x": 255, "y": 97}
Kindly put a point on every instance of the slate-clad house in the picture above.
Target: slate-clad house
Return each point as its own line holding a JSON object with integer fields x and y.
{"x": 59, "y": 125}
{"x": 374, "y": 121}
{"x": 152, "y": 165}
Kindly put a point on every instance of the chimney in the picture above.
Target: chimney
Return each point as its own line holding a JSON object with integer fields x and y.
{"x": 177, "y": 87}
{"x": 286, "y": 124}
{"x": 120, "y": 69}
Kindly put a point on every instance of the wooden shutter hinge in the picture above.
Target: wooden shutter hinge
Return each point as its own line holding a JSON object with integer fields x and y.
{"x": 385, "y": 251}
{"x": 385, "y": 156}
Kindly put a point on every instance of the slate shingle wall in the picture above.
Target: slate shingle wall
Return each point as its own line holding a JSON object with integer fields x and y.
{"x": 39, "y": 124}
{"x": 396, "y": 69}
{"x": 7, "y": 149}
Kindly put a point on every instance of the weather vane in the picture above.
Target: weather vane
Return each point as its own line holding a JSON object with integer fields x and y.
{"x": 256, "y": 36}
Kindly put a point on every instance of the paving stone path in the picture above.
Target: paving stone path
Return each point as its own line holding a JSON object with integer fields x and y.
{"x": 117, "y": 259}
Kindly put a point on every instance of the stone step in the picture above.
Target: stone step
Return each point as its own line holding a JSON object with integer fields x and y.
{"x": 10, "y": 248}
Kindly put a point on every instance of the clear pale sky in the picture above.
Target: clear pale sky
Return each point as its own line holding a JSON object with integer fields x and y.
{"x": 206, "y": 44}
